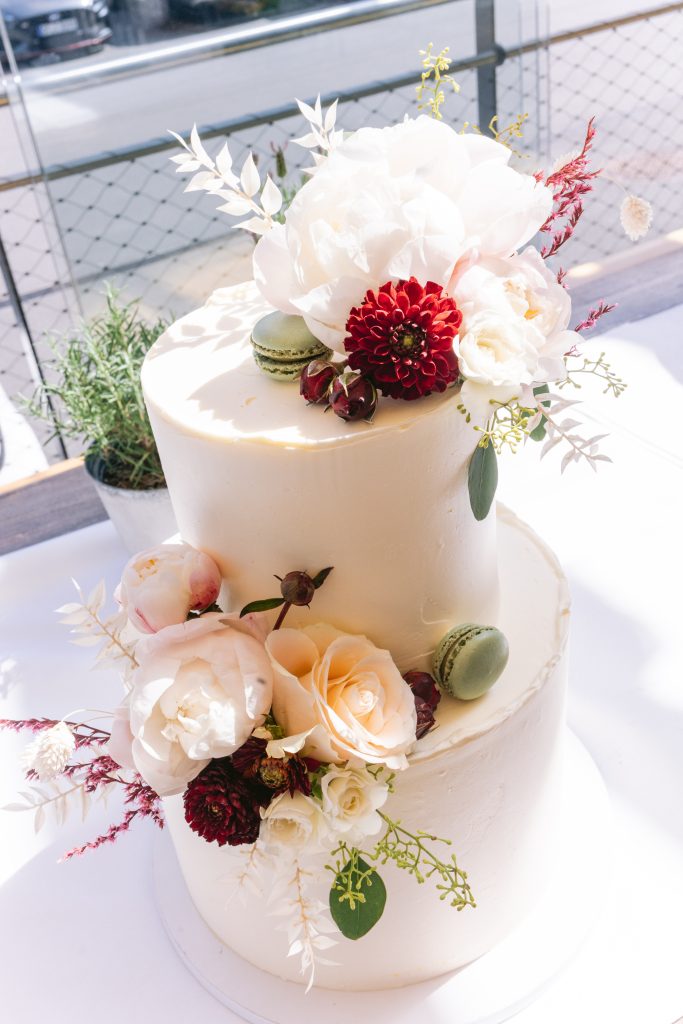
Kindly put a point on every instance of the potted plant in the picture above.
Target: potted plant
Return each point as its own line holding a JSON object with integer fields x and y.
{"x": 95, "y": 397}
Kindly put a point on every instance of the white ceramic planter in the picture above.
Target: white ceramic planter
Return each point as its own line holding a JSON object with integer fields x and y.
{"x": 141, "y": 518}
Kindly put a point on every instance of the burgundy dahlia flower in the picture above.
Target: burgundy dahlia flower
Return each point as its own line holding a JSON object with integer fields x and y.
{"x": 222, "y": 807}
{"x": 401, "y": 337}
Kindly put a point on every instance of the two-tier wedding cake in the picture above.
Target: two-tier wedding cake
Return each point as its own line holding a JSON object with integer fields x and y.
{"x": 344, "y": 681}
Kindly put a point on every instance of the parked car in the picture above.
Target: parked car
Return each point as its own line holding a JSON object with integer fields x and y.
{"x": 55, "y": 28}
{"x": 216, "y": 10}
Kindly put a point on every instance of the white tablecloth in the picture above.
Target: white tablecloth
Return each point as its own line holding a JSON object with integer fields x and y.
{"x": 82, "y": 940}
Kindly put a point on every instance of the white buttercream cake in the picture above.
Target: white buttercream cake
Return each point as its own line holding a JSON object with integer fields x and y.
{"x": 265, "y": 484}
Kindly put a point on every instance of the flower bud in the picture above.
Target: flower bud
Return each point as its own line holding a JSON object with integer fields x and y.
{"x": 353, "y": 397}
{"x": 297, "y": 588}
{"x": 316, "y": 381}
{"x": 427, "y": 696}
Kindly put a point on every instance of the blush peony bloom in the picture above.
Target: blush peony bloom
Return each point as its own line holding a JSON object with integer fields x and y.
{"x": 401, "y": 337}
{"x": 347, "y": 692}
{"x": 161, "y": 585}
{"x": 221, "y": 807}
{"x": 514, "y": 330}
{"x": 199, "y": 691}
{"x": 409, "y": 200}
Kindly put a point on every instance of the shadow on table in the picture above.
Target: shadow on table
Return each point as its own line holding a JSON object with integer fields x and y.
{"x": 635, "y": 740}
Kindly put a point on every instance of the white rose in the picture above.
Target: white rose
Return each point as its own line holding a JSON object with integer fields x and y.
{"x": 345, "y": 693}
{"x": 199, "y": 691}
{"x": 161, "y": 585}
{"x": 351, "y": 797}
{"x": 388, "y": 204}
{"x": 293, "y": 824}
{"x": 514, "y": 329}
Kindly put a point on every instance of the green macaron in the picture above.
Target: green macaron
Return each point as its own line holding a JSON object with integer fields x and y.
{"x": 284, "y": 346}
{"x": 469, "y": 660}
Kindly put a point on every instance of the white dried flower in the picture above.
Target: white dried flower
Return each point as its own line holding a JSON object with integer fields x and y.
{"x": 562, "y": 161}
{"x": 49, "y": 753}
{"x": 635, "y": 215}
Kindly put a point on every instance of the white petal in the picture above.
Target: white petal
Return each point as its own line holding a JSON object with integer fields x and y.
{"x": 198, "y": 148}
{"x": 271, "y": 197}
{"x": 255, "y": 224}
{"x": 251, "y": 180}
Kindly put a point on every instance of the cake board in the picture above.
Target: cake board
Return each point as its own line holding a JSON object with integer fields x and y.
{"x": 488, "y": 991}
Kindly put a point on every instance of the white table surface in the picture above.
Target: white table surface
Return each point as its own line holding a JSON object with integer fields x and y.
{"x": 82, "y": 940}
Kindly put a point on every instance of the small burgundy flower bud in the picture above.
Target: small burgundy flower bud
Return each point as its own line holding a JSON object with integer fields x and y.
{"x": 423, "y": 686}
{"x": 297, "y": 588}
{"x": 316, "y": 381}
{"x": 427, "y": 696}
{"x": 353, "y": 397}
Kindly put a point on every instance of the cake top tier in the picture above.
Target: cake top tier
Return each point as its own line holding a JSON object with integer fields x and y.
{"x": 202, "y": 370}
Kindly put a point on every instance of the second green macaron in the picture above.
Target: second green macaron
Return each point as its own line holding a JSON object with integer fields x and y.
{"x": 469, "y": 660}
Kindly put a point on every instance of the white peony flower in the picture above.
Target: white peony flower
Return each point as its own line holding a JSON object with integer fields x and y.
{"x": 635, "y": 215}
{"x": 49, "y": 753}
{"x": 514, "y": 329}
{"x": 199, "y": 691}
{"x": 351, "y": 797}
{"x": 293, "y": 825}
{"x": 408, "y": 200}
{"x": 160, "y": 585}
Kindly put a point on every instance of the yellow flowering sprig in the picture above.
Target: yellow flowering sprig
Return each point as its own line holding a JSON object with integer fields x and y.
{"x": 506, "y": 135}
{"x": 434, "y": 77}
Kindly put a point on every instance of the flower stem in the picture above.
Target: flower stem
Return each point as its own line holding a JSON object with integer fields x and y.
{"x": 283, "y": 611}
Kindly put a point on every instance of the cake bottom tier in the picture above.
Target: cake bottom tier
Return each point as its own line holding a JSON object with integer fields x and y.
{"x": 488, "y": 778}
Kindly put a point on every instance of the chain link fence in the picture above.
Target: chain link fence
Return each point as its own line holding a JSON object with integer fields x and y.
{"x": 128, "y": 222}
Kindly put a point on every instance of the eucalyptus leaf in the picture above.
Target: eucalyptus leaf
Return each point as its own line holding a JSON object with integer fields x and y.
{"x": 262, "y": 606}
{"x": 482, "y": 480}
{"x": 356, "y": 913}
{"x": 320, "y": 577}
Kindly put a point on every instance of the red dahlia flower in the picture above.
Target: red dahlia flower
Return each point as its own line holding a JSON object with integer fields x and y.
{"x": 222, "y": 807}
{"x": 401, "y": 337}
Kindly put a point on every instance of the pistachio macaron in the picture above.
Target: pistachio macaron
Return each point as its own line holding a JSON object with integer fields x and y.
{"x": 284, "y": 346}
{"x": 469, "y": 660}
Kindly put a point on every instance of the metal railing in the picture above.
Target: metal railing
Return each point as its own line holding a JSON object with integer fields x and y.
{"x": 144, "y": 245}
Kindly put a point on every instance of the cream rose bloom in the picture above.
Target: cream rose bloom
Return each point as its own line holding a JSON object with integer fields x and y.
{"x": 293, "y": 825}
{"x": 161, "y": 585}
{"x": 199, "y": 691}
{"x": 348, "y": 692}
{"x": 387, "y": 204}
{"x": 351, "y": 797}
{"x": 514, "y": 330}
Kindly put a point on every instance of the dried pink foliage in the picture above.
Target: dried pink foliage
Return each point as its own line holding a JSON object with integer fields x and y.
{"x": 84, "y": 734}
{"x": 100, "y": 771}
{"x": 142, "y": 802}
{"x": 594, "y": 315}
{"x": 570, "y": 183}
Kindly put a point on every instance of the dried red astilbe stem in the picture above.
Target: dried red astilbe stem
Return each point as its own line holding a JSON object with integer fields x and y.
{"x": 141, "y": 800}
{"x": 570, "y": 183}
{"x": 594, "y": 315}
{"x": 143, "y": 803}
{"x": 90, "y": 737}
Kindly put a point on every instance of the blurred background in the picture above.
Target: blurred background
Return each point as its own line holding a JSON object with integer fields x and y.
{"x": 89, "y": 87}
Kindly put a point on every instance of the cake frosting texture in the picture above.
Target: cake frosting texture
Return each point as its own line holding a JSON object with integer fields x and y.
{"x": 266, "y": 484}
{"x": 488, "y": 778}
